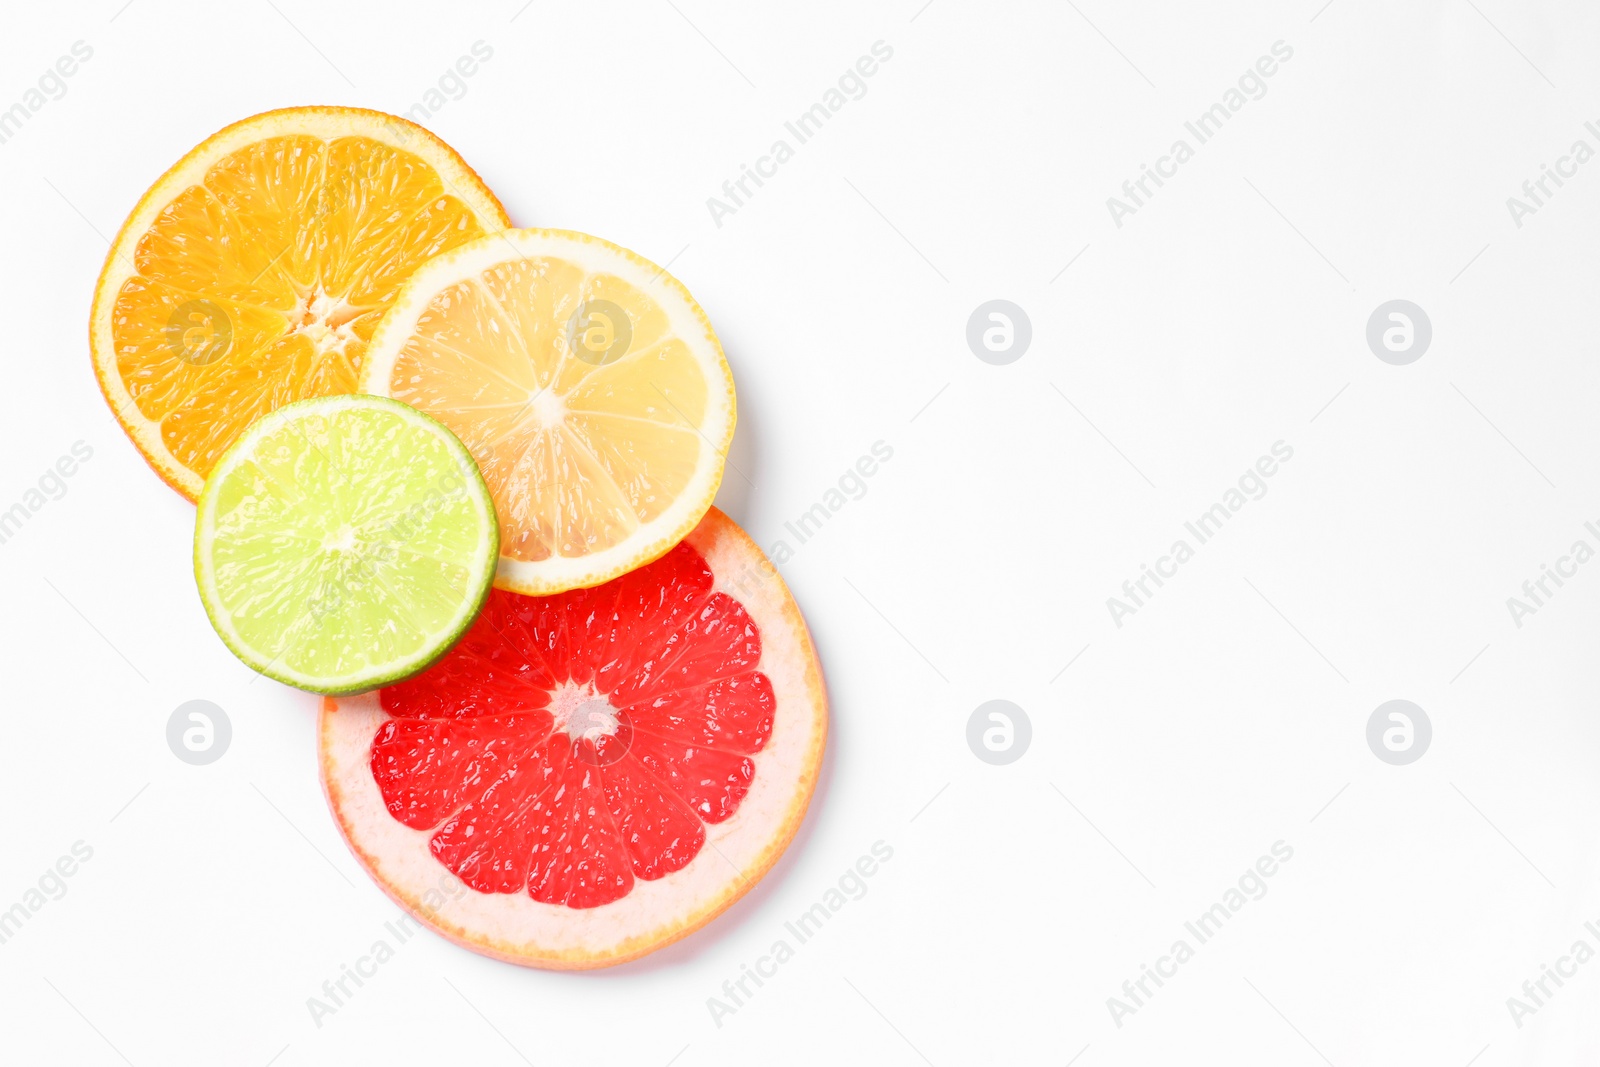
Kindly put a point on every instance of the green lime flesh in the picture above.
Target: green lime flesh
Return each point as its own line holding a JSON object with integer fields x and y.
{"x": 344, "y": 543}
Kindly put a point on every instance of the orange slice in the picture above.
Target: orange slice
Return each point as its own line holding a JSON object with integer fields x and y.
{"x": 589, "y": 776}
{"x": 584, "y": 380}
{"x": 254, "y": 272}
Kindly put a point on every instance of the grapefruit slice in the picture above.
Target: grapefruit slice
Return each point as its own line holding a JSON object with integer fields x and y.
{"x": 589, "y": 776}
{"x": 586, "y": 382}
{"x": 254, "y": 272}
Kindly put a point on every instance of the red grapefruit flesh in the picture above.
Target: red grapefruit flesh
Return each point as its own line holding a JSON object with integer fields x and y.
{"x": 589, "y": 776}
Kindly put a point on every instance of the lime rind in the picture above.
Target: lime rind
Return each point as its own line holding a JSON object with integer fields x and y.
{"x": 344, "y": 543}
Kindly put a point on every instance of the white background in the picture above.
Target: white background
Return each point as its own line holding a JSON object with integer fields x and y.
{"x": 1226, "y": 715}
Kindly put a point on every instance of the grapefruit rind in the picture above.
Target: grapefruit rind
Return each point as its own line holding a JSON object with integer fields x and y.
{"x": 374, "y": 678}
{"x": 689, "y": 324}
{"x": 326, "y": 122}
{"x": 516, "y": 928}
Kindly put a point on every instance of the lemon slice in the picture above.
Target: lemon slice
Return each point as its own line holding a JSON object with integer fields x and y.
{"x": 586, "y": 382}
{"x": 343, "y": 543}
{"x": 253, "y": 273}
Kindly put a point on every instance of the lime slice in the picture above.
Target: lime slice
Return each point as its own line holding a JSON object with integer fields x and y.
{"x": 344, "y": 543}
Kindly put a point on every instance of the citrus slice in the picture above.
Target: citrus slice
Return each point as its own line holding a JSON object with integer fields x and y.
{"x": 589, "y": 776}
{"x": 585, "y": 381}
{"x": 344, "y": 542}
{"x": 254, "y": 272}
